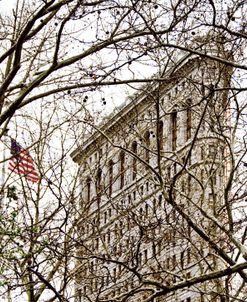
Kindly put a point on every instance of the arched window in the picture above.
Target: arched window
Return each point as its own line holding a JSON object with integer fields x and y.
{"x": 147, "y": 146}
{"x": 161, "y": 135}
{"x": 174, "y": 130}
{"x": 88, "y": 188}
{"x": 110, "y": 177}
{"x": 134, "y": 160}
{"x": 121, "y": 169}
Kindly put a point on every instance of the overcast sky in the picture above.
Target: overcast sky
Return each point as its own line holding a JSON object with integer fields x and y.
{"x": 5, "y": 5}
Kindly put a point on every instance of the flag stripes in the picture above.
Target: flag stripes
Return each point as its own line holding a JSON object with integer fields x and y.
{"x": 22, "y": 162}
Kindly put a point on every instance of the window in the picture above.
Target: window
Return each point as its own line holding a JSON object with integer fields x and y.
{"x": 79, "y": 294}
{"x": 168, "y": 263}
{"x": 213, "y": 178}
{"x": 116, "y": 229}
{"x": 98, "y": 184}
{"x": 122, "y": 204}
{"x": 202, "y": 153}
{"x": 160, "y": 135}
{"x": 134, "y": 160}
{"x": 154, "y": 205}
{"x": 173, "y": 262}
{"x": 141, "y": 190}
{"x": 211, "y": 151}
{"x": 154, "y": 250}
{"x": 183, "y": 185}
{"x": 188, "y": 256}
{"x": 188, "y": 120}
{"x": 107, "y": 280}
{"x": 222, "y": 152}
{"x": 114, "y": 274}
{"x": 159, "y": 248}
{"x": 141, "y": 212}
{"x": 174, "y": 217}
{"x": 88, "y": 188}
{"x": 189, "y": 184}
{"x": 140, "y": 258}
{"x": 189, "y": 231}
{"x": 147, "y": 143}
{"x": 122, "y": 169}
{"x": 160, "y": 200}
{"x": 110, "y": 177}
{"x": 145, "y": 256}
{"x": 202, "y": 297}
{"x": 128, "y": 222}
{"x": 95, "y": 156}
{"x": 182, "y": 259}
{"x": 175, "y": 168}
{"x": 92, "y": 266}
{"x": 168, "y": 173}
{"x": 134, "y": 195}
{"x": 121, "y": 227}
{"x": 146, "y": 209}
{"x": 97, "y": 243}
{"x": 174, "y": 130}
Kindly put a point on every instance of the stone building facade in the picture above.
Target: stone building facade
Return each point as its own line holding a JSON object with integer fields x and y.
{"x": 152, "y": 178}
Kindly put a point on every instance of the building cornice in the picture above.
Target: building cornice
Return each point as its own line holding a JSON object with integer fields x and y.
{"x": 183, "y": 67}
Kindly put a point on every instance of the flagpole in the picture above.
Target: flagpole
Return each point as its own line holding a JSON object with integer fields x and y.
{"x": 2, "y": 182}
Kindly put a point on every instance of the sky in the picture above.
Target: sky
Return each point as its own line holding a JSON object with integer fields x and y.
{"x": 6, "y": 5}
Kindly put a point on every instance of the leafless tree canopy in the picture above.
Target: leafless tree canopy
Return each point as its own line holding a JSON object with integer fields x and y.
{"x": 49, "y": 47}
{"x": 63, "y": 62}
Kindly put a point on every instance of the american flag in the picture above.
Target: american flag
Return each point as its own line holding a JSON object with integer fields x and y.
{"x": 22, "y": 162}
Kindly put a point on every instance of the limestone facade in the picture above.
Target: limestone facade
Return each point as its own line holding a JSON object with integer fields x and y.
{"x": 146, "y": 173}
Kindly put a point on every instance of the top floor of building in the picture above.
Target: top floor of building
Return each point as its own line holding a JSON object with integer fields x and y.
{"x": 178, "y": 120}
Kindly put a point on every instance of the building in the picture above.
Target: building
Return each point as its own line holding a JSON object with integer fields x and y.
{"x": 152, "y": 180}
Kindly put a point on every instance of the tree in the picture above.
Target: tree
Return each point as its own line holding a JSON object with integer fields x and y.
{"x": 38, "y": 219}
{"x": 54, "y": 47}
{"x": 60, "y": 54}
{"x": 174, "y": 225}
